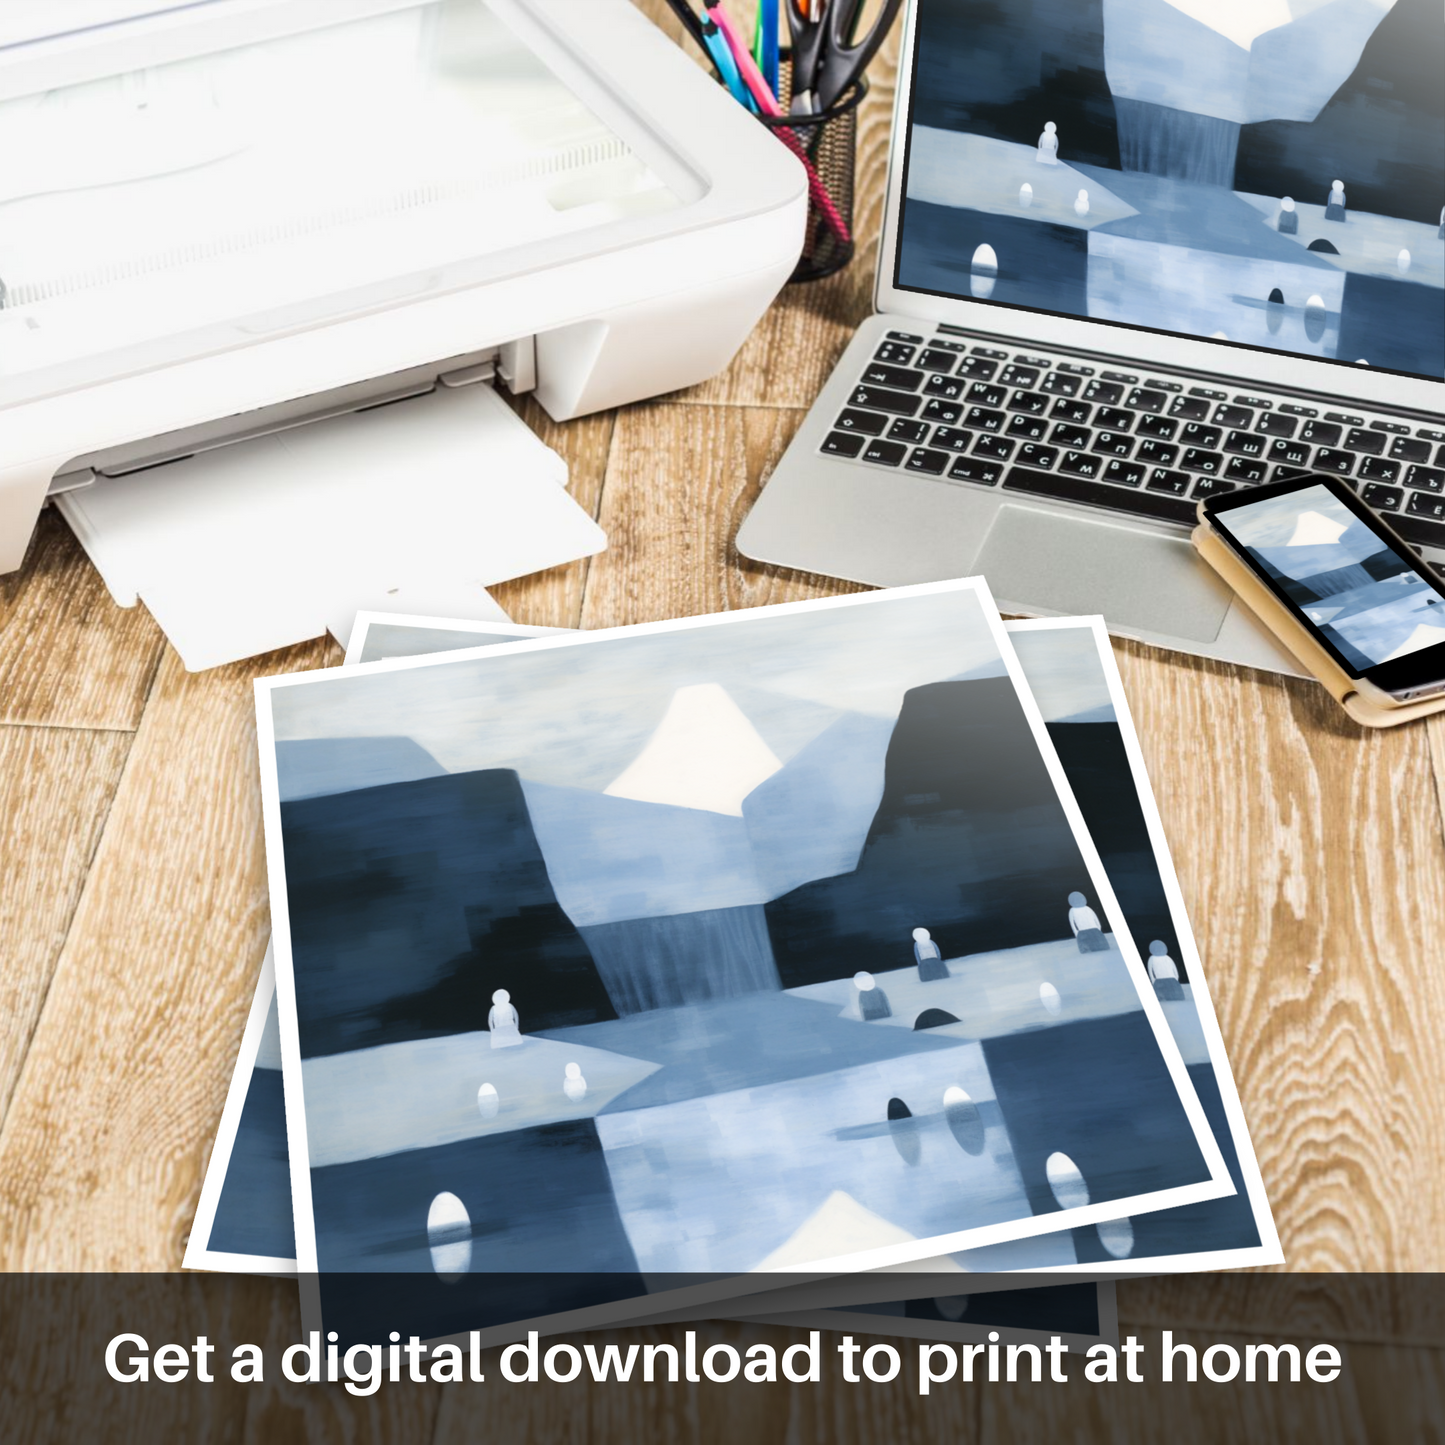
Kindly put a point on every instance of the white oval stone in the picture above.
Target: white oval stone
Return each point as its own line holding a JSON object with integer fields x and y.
{"x": 449, "y": 1233}
{"x": 1117, "y": 1236}
{"x": 488, "y": 1102}
{"x": 1049, "y": 997}
{"x": 985, "y": 259}
{"x": 1066, "y": 1181}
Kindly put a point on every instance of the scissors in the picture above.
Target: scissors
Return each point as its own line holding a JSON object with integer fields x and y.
{"x": 827, "y": 54}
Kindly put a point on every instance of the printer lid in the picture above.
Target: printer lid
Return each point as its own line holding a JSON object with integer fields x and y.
{"x": 181, "y": 178}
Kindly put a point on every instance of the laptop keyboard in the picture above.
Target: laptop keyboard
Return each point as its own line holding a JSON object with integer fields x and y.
{"x": 1142, "y": 445}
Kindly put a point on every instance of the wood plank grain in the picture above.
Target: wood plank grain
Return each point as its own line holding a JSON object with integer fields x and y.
{"x": 56, "y": 786}
{"x": 102, "y": 1149}
{"x": 554, "y": 598}
{"x": 69, "y": 657}
{"x": 1202, "y": 1413}
{"x": 830, "y": 1412}
{"x": 1311, "y": 859}
{"x": 679, "y": 482}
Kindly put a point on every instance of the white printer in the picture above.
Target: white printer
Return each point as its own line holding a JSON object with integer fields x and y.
{"x": 225, "y": 219}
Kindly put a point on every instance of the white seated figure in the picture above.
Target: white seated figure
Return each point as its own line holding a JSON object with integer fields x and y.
{"x": 928, "y": 956}
{"x": 574, "y": 1085}
{"x": 1085, "y": 923}
{"x": 1164, "y": 972}
{"x": 502, "y": 1021}
{"x": 872, "y": 1001}
{"x": 1047, "y": 153}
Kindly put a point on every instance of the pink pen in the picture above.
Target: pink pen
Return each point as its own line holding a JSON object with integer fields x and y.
{"x": 768, "y": 105}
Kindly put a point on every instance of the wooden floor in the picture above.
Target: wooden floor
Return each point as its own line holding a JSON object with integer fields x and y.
{"x": 133, "y": 914}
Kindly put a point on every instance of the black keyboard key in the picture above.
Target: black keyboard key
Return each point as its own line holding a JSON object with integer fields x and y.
{"x": 1070, "y": 436}
{"x": 1406, "y": 449}
{"x": 1344, "y": 418}
{"x": 867, "y": 422}
{"x": 1060, "y": 383}
{"x": 1075, "y": 411}
{"x": 1419, "y": 530}
{"x": 1440, "y": 457}
{"x": 843, "y": 444}
{"x": 1292, "y": 454}
{"x": 1199, "y": 460}
{"x": 905, "y": 336}
{"x": 1424, "y": 504}
{"x": 1161, "y": 427}
{"x": 1245, "y": 444}
{"x": 1035, "y": 403}
{"x": 924, "y": 459}
{"x": 1076, "y": 370}
{"x": 904, "y": 429}
{"x": 1377, "y": 469}
{"x": 997, "y": 447}
{"x": 877, "y": 374}
{"x": 1195, "y": 435}
{"x": 1156, "y": 454}
{"x": 1372, "y": 443}
{"x": 1328, "y": 459}
{"x": 895, "y": 353}
{"x": 1294, "y": 410}
{"x": 1072, "y": 488}
{"x": 1395, "y": 428}
{"x": 1081, "y": 464}
{"x": 1321, "y": 433}
{"x": 1426, "y": 479}
{"x": 932, "y": 359}
{"x": 878, "y": 398}
{"x": 935, "y": 409}
{"x": 1019, "y": 375}
{"x": 1128, "y": 378}
{"x": 1211, "y": 487}
{"x": 1161, "y": 479}
{"x": 996, "y": 354}
{"x": 955, "y": 439}
{"x": 1031, "y": 455}
{"x": 984, "y": 419}
{"x": 1246, "y": 469}
{"x": 1273, "y": 424}
{"x": 1208, "y": 393}
{"x": 1124, "y": 474}
{"x": 1255, "y": 401}
{"x": 1430, "y": 434}
{"x": 976, "y": 368}
{"x": 1235, "y": 416}
{"x": 1189, "y": 408}
{"x": 1113, "y": 418}
{"x": 943, "y": 344}
{"x": 1112, "y": 444}
{"x": 971, "y": 469}
{"x": 1031, "y": 428}
{"x": 1106, "y": 391}
{"x": 1382, "y": 499}
{"x": 1039, "y": 361}
{"x": 948, "y": 387}
{"x": 1144, "y": 398}
{"x": 886, "y": 454}
{"x": 1162, "y": 385}
{"x": 985, "y": 395}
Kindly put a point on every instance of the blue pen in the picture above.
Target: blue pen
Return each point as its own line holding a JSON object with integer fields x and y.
{"x": 727, "y": 67}
{"x": 768, "y": 26}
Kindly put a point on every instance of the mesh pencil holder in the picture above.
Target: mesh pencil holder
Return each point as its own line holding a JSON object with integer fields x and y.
{"x": 827, "y": 144}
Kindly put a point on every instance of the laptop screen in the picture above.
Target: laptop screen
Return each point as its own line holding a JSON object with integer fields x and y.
{"x": 1266, "y": 172}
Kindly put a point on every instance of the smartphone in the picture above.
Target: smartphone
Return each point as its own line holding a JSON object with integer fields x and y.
{"x": 1339, "y": 570}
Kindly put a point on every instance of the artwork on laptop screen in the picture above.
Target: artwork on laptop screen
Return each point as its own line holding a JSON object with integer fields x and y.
{"x": 1256, "y": 171}
{"x": 746, "y": 921}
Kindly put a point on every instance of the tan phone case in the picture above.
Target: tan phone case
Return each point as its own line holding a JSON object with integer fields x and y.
{"x": 1298, "y": 639}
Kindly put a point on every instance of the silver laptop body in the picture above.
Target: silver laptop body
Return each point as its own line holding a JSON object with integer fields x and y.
{"x": 1063, "y": 457}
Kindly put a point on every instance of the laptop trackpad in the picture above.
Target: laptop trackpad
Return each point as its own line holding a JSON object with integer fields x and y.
{"x": 1065, "y": 564}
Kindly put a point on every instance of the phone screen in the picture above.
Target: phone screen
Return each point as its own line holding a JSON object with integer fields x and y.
{"x": 1357, "y": 587}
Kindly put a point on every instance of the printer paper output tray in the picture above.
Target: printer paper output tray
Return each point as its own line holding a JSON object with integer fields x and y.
{"x": 416, "y": 506}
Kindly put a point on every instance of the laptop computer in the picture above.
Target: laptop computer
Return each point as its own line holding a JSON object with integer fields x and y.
{"x": 1134, "y": 251}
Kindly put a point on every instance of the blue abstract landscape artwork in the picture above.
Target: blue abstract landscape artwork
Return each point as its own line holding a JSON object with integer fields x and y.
{"x": 1254, "y": 171}
{"x": 740, "y": 945}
